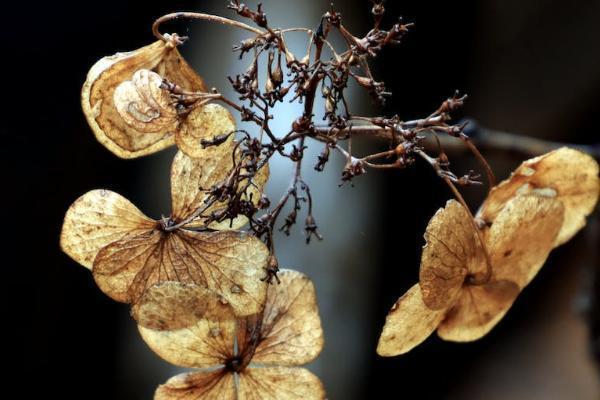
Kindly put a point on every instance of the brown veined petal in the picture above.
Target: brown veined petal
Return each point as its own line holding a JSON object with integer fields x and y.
{"x": 192, "y": 177}
{"x": 452, "y": 251}
{"x": 143, "y": 105}
{"x": 204, "y": 122}
{"x": 229, "y": 263}
{"x": 522, "y": 236}
{"x": 206, "y": 385}
{"x": 176, "y": 305}
{"x": 291, "y": 332}
{"x": 408, "y": 324}
{"x": 97, "y": 219}
{"x": 279, "y": 383}
{"x": 97, "y": 96}
{"x": 477, "y": 311}
{"x": 205, "y": 342}
{"x": 565, "y": 174}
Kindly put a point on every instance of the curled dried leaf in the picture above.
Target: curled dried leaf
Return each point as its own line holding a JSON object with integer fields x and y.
{"x": 451, "y": 252}
{"x": 98, "y": 97}
{"x": 229, "y": 263}
{"x": 97, "y": 219}
{"x": 408, "y": 324}
{"x": 144, "y": 105}
{"x": 567, "y": 175}
{"x": 477, "y": 310}
{"x": 522, "y": 236}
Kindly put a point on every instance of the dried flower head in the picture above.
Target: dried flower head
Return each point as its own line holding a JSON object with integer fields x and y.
{"x": 143, "y": 101}
{"x": 254, "y": 357}
{"x": 457, "y": 294}
{"x": 129, "y": 252}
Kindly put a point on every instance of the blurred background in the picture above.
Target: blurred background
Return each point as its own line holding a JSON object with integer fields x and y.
{"x": 531, "y": 68}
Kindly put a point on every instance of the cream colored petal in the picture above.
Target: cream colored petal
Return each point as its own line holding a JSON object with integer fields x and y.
{"x": 408, "y": 324}
{"x": 565, "y": 174}
{"x": 522, "y": 236}
{"x": 143, "y": 105}
{"x": 204, "y": 342}
{"x": 278, "y": 383}
{"x": 451, "y": 252}
{"x": 97, "y": 97}
{"x": 97, "y": 219}
{"x": 205, "y": 122}
{"x": 204, "y": 385}
{"x": 291, "y": 332}
{"x": 192, "y": 177}
{"x": 477, "y": 311}
{"x": 176, "y": 305}
{"x": 229, "y": 263}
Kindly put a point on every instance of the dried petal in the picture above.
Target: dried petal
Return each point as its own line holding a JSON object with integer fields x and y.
{"x": 408, "y": 324}
{"x": 227, "y": 262}
{"x": 206, "y": 343}
{"x": 565, "y": 174}
{"x": 452, "y": 251}
{"x": 97, "y": 219}
{"x": 206, "y": 385}
{"x": 291, "y": 332}
{"x": 192, "y": 177}
{"x": 278, "y": 383}
{"x": 477, "y": 311}
{"x": 97, "y": 96}
{"x": 204, "y": 122}
{"x": 143, "y": 105}
{"x": 176, "y": 305}
{"x": 522, "y": 236}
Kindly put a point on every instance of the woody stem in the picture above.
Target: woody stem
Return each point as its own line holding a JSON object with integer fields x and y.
{"x": 200, "y": 16}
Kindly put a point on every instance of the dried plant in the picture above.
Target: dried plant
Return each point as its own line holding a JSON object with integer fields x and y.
{"x": 200, "y": 288}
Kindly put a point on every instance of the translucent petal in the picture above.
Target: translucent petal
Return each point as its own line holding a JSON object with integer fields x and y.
{"x": 452, "y": 251}
{"x": 568, "y": 175}
{"x": 408, "y": 324}
{"x": 97, "y": 219}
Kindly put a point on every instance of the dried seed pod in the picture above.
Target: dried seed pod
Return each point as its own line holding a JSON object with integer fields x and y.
{"x": 285, "y": 335}
{"x": 98, "y": 103}
{"x": 567, "y": 175}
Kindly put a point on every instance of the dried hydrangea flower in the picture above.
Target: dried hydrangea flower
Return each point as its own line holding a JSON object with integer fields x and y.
{"x": 129, "y": 252}
{"x": 133, "y": 114}
{"x": 451, "y": 296}
{"x": 565, "y": 174}
{"x": 255, "y": 357}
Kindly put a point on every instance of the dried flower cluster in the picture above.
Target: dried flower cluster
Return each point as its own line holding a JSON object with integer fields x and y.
{"x": 200, "y": 288}
{"x": 472, "y": 270}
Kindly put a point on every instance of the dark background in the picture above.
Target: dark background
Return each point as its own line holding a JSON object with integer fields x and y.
{"x": 532, "y": 69}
